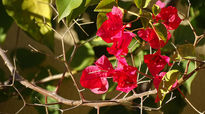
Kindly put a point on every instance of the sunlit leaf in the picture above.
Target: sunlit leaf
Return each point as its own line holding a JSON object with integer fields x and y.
{"x": 167, "y": 81}
{"x": 75, "y": 13}
{"x": 65, "y": 7}
{"x": 100, "y": 19}
{"x": 155, "y": 9}
{"x": 142, "y": 3}
{"x": 105, "y": 6}
{"x": 99, "y": 42}
{"x": 29, "y": 14}
{"x": 161, "y": 31}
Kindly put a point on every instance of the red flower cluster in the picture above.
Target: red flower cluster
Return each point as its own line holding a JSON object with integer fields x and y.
{"x": 95, "y": 77}
{"x": 112, "y": 31}
{"x": 150, "y": 36}
{"x": 156, "y": 62}
{"x": 167, "y": 16}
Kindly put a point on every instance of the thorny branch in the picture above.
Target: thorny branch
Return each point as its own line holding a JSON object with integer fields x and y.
{"x": 60, "y": 99}
{"x": 68, "y": 72}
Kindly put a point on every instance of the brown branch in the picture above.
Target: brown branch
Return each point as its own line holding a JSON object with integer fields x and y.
{"x": 67, "y": 101}
{"x": 187, "y": 76}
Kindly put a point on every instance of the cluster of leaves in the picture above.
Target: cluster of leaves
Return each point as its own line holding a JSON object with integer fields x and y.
{"x": 114, "y": 30}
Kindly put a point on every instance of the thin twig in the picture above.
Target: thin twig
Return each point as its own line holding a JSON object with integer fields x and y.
{"x": 24, "y": 102}
{"x": 189, "y": 102}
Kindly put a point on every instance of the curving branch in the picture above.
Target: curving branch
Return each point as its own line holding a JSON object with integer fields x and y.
{"x": 62, "y": 100}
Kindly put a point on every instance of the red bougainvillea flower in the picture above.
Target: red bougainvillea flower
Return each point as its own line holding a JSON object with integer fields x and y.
{"x": 95, "y": 77}
{"x": 112, "y": 31}
{"x": 156, "y": 82}
{"x": 156, "y": 62}
{"x": 112, "y": 27}
{"x": 120, "y": 47}
{"x": 169, "y": 17}
{"x": 125, "y": 76}
{"x": 150, "y": 36}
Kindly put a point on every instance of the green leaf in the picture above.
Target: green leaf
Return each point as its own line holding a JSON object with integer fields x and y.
{"x": 83, "y": 57}
{"x": 186, "y": 51}
{"x": 161, "y": 31}
{"x": 100, "y": 19}
{"x": 145, "y": 17}
{"x": 188, "y": 82}
{"x": 105, "y": 6}
{"x": 139, "y": 58}
{"x": 27, "y": 59}
{"x": 76, "y": 12}
{"x": 65, "y": 7}
{"x": 28, "y": 14}
{"x": 138, "y": 3}
{"x": 134, "y": 44}
{"x": 5, "y": 24}
{"x": 80, "y": 9}
{"x": 167, "y": 81}
{"x": 35, "y": 97}
{"x": 91, "y": 2}
{"x": 155, "y": 9}
{"x": 142, "y": 3}
{"x": 99, "y": 42}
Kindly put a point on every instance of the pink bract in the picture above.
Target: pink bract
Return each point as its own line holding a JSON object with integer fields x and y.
{"x": 156, "y": 62}
{"x": 125, "y": 76}
{"x": 160, "y": 4}
{"x": 111, "y": 28}
{"x": 120, "y": 47}
{"x": 92, "y": 77}
{"x": 150, "y": 36}
{"x": 102, "y": 89}
{"x": 112, "y": 31}
{"x": 169, "y": 17}
{"x": 95, "y": 77}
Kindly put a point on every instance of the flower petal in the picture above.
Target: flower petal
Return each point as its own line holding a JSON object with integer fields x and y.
{"x": 103, "y": 89}
{"x": 104, "y": 63}
{"x": 112, "y": 26}
{"x": 120, "y": 47}
{"x": 91, "y": 77}
{"x": 156, "y": 62}
{"x": 169, "y": 17}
